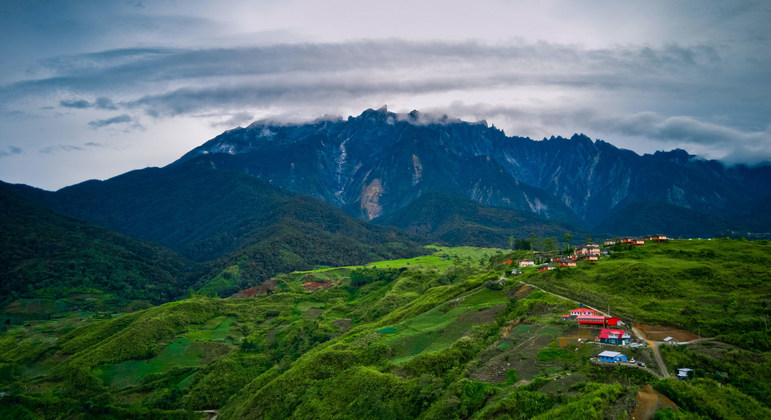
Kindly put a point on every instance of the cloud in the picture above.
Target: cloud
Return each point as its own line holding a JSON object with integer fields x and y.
{"x": 120, "y": 119}
{"x": 68, "y": 147}
{"x": 10, "y": 151}
{"x": 634, "y": 91}
{"x": 235, "y": 120}
{"x": 729, "y": 144}
{"x": 79, "y": 104}
{"x": 679, "y": 128}
{"x": 100, "y": 103}
{"x": 150, "y": 71}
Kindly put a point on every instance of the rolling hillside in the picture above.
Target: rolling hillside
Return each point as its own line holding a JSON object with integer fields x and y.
{"x": 428, "y": 337}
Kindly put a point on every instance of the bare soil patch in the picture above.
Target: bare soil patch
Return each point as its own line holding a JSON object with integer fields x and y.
{"x": 344, "y": 324}
{"x": 660, "y": 332}
{"x": 648, "y": 401}
{"x": 313, "y": 313}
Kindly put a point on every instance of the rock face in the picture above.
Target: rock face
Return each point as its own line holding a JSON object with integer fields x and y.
{"x": 379, "y": 162}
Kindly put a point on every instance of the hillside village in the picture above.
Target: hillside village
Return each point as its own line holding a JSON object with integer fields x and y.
{"x": 587, "y": 252}
{"x": 592, "y": 318}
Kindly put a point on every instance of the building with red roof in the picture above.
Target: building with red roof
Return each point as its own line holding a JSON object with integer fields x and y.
{"x": 591, "y": 319}
{"x": 618, "y": 337}
{"x": 583, "y": 311}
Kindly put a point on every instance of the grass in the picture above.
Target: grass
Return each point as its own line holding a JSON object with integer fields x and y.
{"x": 440, "y": 327}
{"x": 181, "y": 353}
{"x": 403, "y": 344}
{"x": 719, "y": 287}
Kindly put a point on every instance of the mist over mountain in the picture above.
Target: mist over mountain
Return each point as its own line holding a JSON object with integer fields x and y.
{"x": 379, "y": 162}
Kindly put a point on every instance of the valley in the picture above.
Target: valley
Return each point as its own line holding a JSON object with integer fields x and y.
{"x": 451, "y": 333}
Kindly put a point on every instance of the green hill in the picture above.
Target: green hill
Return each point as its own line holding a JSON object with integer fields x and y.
{"x": 446, "y": 335}
{"x": 222, "y": 219}
{"x": 49, "y": 256}
{"x": 719, "y": 287}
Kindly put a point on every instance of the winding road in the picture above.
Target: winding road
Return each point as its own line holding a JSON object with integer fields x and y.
{"x": 654, "y": 345}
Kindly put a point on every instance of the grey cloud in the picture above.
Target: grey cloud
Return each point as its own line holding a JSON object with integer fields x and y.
{"x": 104, "y": 103}
{"x": 235, "y": 120}
{"x": 680, "y": 128}
{"x": 80, "y": 104}
{"x": 731, "y": 144}
{"x": 100, "y": 103}
{"x": 68, "y": 147}
{"x": 124, "y": 118}
{"x": 11, "y": 150}
{"x": 60, "y": 147}
{"x": 538, "y": 63}
{"x": 225, "y": 81}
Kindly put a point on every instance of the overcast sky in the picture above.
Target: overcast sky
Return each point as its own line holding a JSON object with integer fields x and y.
{"x": 92, "y": 89}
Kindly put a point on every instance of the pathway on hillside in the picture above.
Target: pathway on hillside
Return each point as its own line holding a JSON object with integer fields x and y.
{"x": 652, "y": 344}
{"x": 212, "y": 414}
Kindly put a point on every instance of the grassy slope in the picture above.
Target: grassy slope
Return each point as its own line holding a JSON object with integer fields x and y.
{"x": 432, "y": 342}
{"x": 717, "y": 287}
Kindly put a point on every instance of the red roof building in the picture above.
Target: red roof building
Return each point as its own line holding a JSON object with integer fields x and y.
{"x": 618, "y": 337}
{"x": 582, "y": 311}
{"x": 591, "y": 319}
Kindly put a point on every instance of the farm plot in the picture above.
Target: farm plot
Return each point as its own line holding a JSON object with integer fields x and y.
{"x": 440, "y": 327}
{"x": 179, "y": 354}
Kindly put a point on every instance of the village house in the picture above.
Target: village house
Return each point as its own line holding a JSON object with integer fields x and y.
{"x": 591, "y": 257}
{"x": 657, "y": 238}
{"x": 567, "y": 263}
{"x": 516, "y": 272}
{"x": 633, "y": 241}
{"x": 591, "y": 319}
{"x": 670, "y": 340}
{"x": 582, "y": 311}
{"x": 546, "y": 267}
{"x": 684, "y": 373}
{"x": 525, "y": 263}
{"x": 612, "y": 357}
{"x": 588, "y": 249}
{"x": 617, "y": 337}
{"x": 613, "y": 321}
{"x": 610, "y": 242}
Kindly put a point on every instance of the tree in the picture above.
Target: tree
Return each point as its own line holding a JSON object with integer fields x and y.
{"x": 548, "y": 244}
{"x": 588, "y": 238}
{"x": 568, "y": 238}
{"x": 511, "y": 241}
{"x": 534, "y": 242}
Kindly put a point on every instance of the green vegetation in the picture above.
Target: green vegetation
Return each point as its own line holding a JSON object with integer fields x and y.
{"x": 47, "y": 257}
{"x": 717, "y": 287}
{"x": 413, "y": 338}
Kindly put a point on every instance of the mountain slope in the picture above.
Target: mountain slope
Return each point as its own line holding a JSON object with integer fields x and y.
{"x": 227, "y": 218}
{"x": 457, "y": 221}
{"x": 379, "y": 162}
{"x": 374, "y": 164}
{"x": 44, "y": 254}
{"x": 659, "y": 216}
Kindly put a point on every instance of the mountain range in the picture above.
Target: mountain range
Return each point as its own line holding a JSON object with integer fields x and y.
{"x": 272, "y": 198}
{"x": 379, "y": 162}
